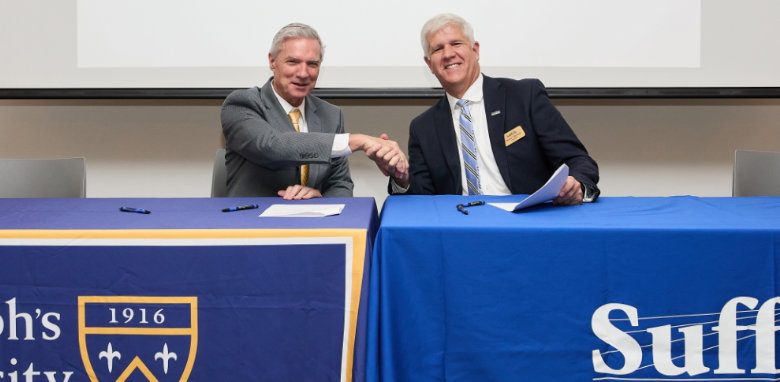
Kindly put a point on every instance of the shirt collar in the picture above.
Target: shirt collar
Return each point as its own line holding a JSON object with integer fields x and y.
{"x": 286, "y": 105}
{"x": 473, "y": 93}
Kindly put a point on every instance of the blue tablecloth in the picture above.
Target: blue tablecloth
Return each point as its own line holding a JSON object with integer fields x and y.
{"x": 600, "y": 291}
{"x": 186, "y": 292}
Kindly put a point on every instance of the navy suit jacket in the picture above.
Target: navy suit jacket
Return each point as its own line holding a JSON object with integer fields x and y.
{"x": 525, "y": 165}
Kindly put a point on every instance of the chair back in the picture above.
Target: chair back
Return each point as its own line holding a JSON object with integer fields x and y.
{"x": 219, "y": 175}
{"x": 756, "y": 173}
{"x": 43, "y": 178}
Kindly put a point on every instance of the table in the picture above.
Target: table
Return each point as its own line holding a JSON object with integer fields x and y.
{"x": 640, "y": 289}
{"x": 186, "y": 292}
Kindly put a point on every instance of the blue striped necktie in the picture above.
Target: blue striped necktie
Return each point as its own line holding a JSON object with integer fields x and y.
{"x": 468, "y": 146}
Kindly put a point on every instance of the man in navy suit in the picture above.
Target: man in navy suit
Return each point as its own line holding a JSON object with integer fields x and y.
{"x": 520, "y": 137}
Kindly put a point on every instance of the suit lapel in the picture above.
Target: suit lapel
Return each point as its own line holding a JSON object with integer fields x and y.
{"x": 314, "y": 125}
{"x": 495, "y": 111}
{"x": 279, "y": 120}
{"x": 445, "y": 132}
{"x": 274, "y": 113}
{"x": 313, "y": 121}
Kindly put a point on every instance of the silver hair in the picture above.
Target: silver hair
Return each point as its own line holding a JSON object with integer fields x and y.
{"x": 294, "y": 30}
{"x": 438, "y": 22}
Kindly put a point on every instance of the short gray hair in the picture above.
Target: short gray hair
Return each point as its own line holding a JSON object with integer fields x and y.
{"x": 294, "y": 30}
{"x": 438, "y": 22}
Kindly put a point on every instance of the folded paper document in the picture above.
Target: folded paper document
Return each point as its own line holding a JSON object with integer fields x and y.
{"x": 547, "y": 192}
{"x": 302, "y": 210}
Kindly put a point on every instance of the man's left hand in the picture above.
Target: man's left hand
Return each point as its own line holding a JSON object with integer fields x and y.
{"x": 570, "y": 194}
{"x": 298, "y": 192}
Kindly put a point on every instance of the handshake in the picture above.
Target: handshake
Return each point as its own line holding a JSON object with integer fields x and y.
{"x": 385, "y": 153}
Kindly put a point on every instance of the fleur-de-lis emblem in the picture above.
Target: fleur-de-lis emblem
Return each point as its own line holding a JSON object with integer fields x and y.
{"x": 165, "y": 356}
{"x": 109, "y": 354}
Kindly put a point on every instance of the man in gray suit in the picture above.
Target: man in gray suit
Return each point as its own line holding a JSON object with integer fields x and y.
{"x": 281, "y": 140}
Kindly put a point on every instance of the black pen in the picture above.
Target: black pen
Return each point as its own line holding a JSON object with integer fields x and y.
{"x": 240, "y": 208}
{"x": 462, "y": 207}
{"x": 135, "y": 210}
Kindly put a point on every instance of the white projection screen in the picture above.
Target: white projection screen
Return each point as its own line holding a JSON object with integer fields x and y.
{"x": 159, "y": 44}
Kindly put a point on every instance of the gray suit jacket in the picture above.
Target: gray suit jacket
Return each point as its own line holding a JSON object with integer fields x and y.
{"x": 264, "y": 152}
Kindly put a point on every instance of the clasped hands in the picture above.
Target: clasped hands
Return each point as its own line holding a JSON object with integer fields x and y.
{"x": 386, "y": 153}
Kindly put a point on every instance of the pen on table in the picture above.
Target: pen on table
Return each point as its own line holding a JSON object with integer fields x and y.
{"x": 240, "y": 208}
{"x": 135, "y": 210}
{"x": 462, "y": 207}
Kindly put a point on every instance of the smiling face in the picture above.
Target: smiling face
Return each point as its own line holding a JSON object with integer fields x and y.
{"x": 452, "y": 59}
{"x": 296, "y": 68}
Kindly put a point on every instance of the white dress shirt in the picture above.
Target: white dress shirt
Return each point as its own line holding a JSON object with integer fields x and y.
{"x": 490, "y": 180}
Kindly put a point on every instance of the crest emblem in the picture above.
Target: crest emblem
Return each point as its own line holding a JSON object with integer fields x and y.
{"x": 138, "y": 337}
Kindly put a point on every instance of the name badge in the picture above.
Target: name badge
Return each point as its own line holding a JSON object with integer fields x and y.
{"x": 513, "y": 135}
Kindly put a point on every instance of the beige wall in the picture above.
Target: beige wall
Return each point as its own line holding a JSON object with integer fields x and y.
{"x": 151, "y": 148}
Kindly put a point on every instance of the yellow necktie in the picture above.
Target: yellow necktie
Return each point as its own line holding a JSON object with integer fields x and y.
{"x": 295, "y": 116}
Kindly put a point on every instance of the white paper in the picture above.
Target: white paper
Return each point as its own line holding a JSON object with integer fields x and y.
{"x": 302, "y": 210}
{"x": 547, "y": 192}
